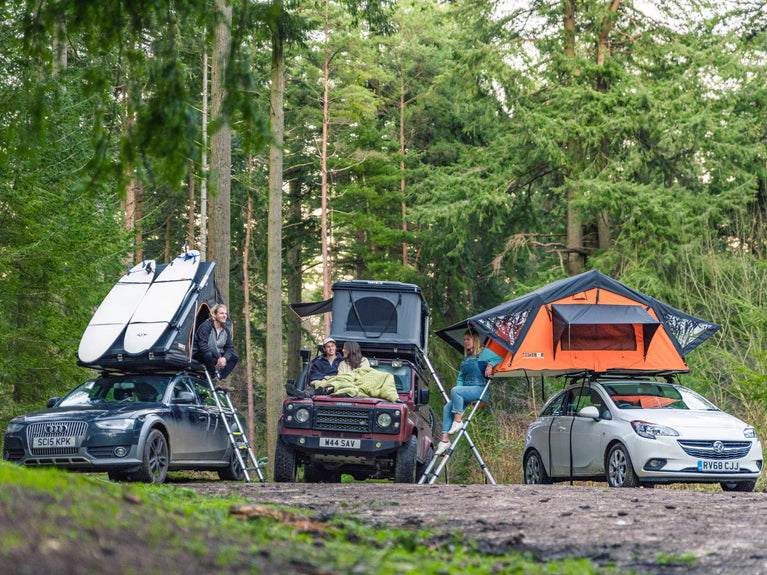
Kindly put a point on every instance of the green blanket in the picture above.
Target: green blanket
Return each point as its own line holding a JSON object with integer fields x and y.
{"x": 362, "y": 382}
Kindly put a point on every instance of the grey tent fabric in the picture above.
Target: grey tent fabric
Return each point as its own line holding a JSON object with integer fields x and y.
{"x": 608, "y": 326}
{"x": 305, "y": 309}
{"x": 508, "y": 323}
{"x": 381, "y": 312}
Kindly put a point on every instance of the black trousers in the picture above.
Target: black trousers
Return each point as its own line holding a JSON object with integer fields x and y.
{"x": 209, "y": 361}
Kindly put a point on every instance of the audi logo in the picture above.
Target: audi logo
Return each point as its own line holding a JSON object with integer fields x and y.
{"x": 718, "y": 447}
{"x": 56, "y": 429}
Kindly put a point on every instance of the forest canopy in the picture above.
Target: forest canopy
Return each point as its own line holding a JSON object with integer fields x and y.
{"x": 480, "y": 149}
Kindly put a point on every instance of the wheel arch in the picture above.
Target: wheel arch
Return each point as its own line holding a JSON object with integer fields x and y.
{"x": 544, "y": 460}
{"x": 150, "y": 424}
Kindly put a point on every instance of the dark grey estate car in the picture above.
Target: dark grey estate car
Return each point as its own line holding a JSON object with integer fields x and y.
{"x": 135, "y": 427}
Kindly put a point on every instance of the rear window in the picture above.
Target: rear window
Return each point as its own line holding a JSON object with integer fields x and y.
{"x": 645, "y": 395}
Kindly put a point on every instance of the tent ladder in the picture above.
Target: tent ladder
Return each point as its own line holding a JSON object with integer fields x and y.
{"x": 431, "y": 476}
{"x": 235, "y": 432}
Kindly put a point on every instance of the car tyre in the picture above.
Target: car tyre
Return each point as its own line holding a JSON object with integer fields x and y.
{"x": 620, "y": 470}
{"x": 155, "y": 459}
{"x": 535, "y": 472}
{"x": 284, "y": 463}
{"x": 234, "y": 471}
{"x": 405, "y": 464}
{"x": 738, "y": 485}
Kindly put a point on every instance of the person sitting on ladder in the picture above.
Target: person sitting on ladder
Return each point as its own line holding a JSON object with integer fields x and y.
{"x": 215, "y": 348}
{"x": 477, "y": 365}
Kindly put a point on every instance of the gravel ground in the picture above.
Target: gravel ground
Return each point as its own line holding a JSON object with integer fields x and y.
{"x": 645, "y": 530}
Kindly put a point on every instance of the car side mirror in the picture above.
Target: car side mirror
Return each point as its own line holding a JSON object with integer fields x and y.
{"x": 183, "y": 397}
{"x": 52, "y": 401}
{"x": 589, "y": 411}
{"x": 423, "y": 396}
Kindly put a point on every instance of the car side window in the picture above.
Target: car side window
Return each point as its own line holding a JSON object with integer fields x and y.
{"x": 183, "y": 384}
{"x": 204, "y": 393}
{"x": 555, "y": 407}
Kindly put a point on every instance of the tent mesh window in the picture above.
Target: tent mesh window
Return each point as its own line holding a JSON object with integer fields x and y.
{"x": 618, "y": 337}
{"x": 374, "y": 313}
{"x": 508, "y": 326}
{"x": 685, "y": 330}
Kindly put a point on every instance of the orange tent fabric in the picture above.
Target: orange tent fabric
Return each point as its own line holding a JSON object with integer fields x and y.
{"x": 620, "y": 329}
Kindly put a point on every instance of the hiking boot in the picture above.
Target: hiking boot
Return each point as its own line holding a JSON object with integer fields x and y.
{"x": 293, "y": 391}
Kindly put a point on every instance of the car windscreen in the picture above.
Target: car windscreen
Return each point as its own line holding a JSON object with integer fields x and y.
{"x": 118, "y": 389}
{"x": 645, "y": 395}
{"x": 402, "y": 375}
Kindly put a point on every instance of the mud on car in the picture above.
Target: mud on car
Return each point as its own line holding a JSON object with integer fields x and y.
{"x": 366, "y": 437}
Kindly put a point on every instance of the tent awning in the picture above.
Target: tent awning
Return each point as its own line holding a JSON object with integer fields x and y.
{"x": 601, "y": 326}
{"x": 305, "y": 309}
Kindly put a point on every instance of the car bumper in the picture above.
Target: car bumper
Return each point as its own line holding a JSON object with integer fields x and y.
{"x": 664, "y": 460}
{"x": 118, "y": 456}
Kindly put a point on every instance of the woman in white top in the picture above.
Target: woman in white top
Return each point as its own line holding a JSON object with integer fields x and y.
{"x": 353, "y": 358}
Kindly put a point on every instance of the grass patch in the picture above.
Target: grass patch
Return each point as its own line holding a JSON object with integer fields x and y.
{"x": 49, "y": 519}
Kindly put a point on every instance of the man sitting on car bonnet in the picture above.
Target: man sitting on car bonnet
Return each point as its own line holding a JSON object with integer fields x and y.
{"x": 327, "y": 365}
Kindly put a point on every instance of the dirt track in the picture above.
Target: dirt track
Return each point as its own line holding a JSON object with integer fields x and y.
{"x": 646, "y": 530}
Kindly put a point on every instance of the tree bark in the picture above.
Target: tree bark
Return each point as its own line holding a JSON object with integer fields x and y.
{"x": 274, "y": 389}
{"x": 221, "y": 153}
{"x": 575, "y": 259}
{"x": 204, "y": 166}
{"x": 324, "y": 175}
{"x": 294, "y": 284}
{"x": 246, "y": 314}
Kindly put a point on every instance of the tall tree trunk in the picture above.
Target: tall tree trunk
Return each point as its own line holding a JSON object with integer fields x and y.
{"x": 402, "y": 159}
{"x": 139, "y": 217}
{"x": 221, "y": 153}
{"x": 204, "y": 166}
{"x": 603, "y": 51}
{"x": 191, "y": 205}
{"x": 294, "y": 283}
{"x": 575, "y": 259}
{"x": 246, "y": 311}
{"x": 274, "y": 389}
{"x": 324, "y": 175}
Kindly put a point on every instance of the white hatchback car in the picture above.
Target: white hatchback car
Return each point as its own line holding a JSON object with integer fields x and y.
{"x": 633, "y": 432}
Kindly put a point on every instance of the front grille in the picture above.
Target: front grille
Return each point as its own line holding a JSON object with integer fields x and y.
{"x": 343, "y": 419}
{"x": 705, "y": 449}
{"x": 54, "y": 429}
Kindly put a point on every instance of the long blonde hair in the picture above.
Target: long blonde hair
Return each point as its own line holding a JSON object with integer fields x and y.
{"x": 477, "y": 342}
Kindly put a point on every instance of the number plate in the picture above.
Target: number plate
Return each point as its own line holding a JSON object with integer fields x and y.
{"x": 708, "y": 465}
{"x": 65, "y": 441}
{"x": 340, "y": 443}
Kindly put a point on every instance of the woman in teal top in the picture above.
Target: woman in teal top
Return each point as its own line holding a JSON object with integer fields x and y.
{"x": 476, "y": 367}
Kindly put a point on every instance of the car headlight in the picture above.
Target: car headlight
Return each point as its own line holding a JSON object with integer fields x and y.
{"x": 115, "y": 424}
{"x": 651, "y": 431}
{"x": 384, "y": 419}
{"x": 14, "y": 426}
{"x": 302, "y": 415}
{"x": 749, "y": 432}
